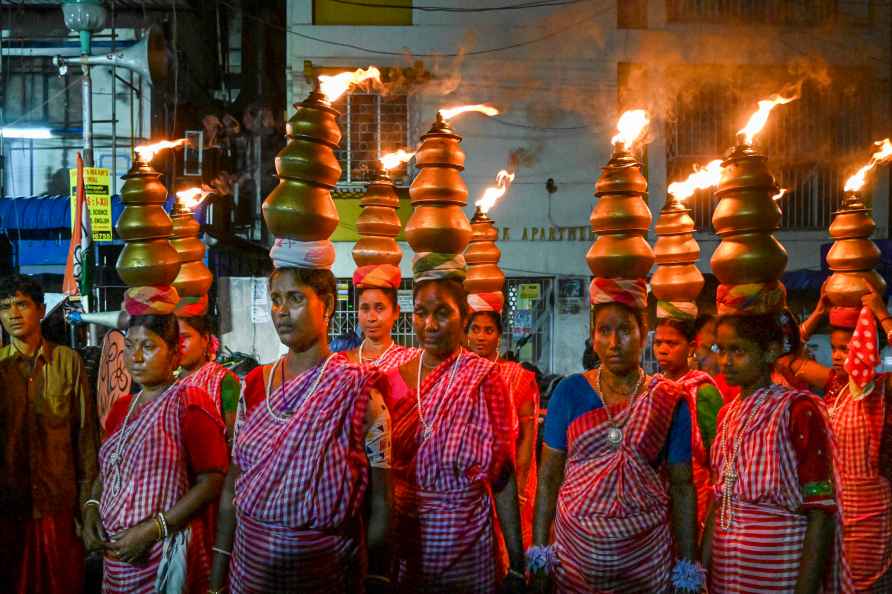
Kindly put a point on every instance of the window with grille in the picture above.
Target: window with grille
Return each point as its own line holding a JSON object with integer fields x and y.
{"x": 805, "y": 13}
{"x": 810, "y": 142}
{"x": 33, "y": 92}
{"x": 372, "y": 125}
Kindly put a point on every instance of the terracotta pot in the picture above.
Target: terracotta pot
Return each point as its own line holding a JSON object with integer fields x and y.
{"x": 300, "y": 211}
{"x": 749, "y": 258}
{"x": 148, "y": 263}
{"x": 143, "y": 222}
{"x": 845, "y": 289}
{"x": 442, "y": 229}
{"x": 620, "y": 256}
{"x": 438, "y": 193}
{"x": 621, "y": 219}
{"x": 377, "y": 250}
{"x": 677, "y": 283}
{"x": 300, "y": 207}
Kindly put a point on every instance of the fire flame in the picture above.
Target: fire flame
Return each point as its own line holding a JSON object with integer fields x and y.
{"x": 702, "y": 178}
{"x": 760, "y": 117}
{"x": 856, "y": 182}
{"x": 333, "y": 86}
{"x": 484, "y": 108}
{"x": 493, "y": 193}
{"x": 147, "y": 152}
{"x": 395, "y": 159}
{"x": 192, "y": 197}
{"x": 630, "y": 127}
{"x": 780, "y": 194}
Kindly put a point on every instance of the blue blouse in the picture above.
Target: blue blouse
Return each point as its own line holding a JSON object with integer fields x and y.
{"x": 574, "y": 397}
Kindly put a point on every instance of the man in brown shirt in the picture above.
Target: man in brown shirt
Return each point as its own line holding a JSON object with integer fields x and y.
{"x": 48, "y": 447}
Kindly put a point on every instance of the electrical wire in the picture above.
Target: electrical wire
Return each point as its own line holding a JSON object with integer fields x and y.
{"x": 521, "y": 6}
{"x": 555, "y": 33}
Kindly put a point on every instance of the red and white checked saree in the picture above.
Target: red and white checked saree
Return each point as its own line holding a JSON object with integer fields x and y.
{"x": 761, "y": 550}
{"x": 443, "y": 483}
{"x": 149, "y": 476}
{"x": 209, "y": 377}
{"x": 691, "y": 383}
{"x": 612, "y": 523}
{"x": 860, "y": 428}
{"x": 303, "y": 481}
{"x": 393, "y": 358}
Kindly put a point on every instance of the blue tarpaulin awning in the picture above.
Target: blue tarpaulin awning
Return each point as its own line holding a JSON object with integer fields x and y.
{"x": 43, "y": 213}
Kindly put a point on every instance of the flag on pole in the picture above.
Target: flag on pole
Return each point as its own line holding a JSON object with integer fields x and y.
{"x": 76, "y": 280}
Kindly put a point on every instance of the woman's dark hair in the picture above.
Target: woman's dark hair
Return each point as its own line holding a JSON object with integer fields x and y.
{"x": 493, "y": 315}
{"x": 764, "y": 330}
{"x": 322, "y": 281}
{"x": 24, "y": 284}
{"x": 701, "y": 321}
{"x": 201, "y": 324}
{"x": 684, "y": 327}
{"x": 164, "y": 326}
{"x": 390, "y": 293}
{"x": 638, "y": 314}
{"x": 455, "y": 289}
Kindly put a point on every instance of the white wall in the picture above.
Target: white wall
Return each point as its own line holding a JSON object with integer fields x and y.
{"x": 561, "y": 95}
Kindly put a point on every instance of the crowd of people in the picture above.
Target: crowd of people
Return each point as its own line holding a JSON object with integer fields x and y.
{"x": 394, "y": 469}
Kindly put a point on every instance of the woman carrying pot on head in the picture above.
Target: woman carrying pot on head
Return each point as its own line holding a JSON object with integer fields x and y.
{"x": 674, "y": 340}
{"x": 484, "y": 331}
{"x": 306, "y": 504}
{"x": 773, "y": 519}
{"x": 615, "y": 475}
{"x": 453, "y": 449}
{"x": 162, "y": 464}
{"x": 377, "y": 312}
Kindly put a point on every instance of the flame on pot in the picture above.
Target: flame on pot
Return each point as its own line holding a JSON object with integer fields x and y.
{"x": 192, "y": 197}
{"x": 780, "y": 194}
{"x": 395, "y": 159}
{"x": 333, "y": 86}
{"x": 484, "y": 108}
{"x": 758, "y": 120}
{"x": 856, "y": 182}
{"x": 147, "y": 152}
{"x": 630, "y": 127}
{"x": 493, "y": 193}
{"x": 702, "y": 178}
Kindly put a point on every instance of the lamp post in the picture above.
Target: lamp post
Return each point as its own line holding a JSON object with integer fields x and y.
{"x": 86, "y": 17}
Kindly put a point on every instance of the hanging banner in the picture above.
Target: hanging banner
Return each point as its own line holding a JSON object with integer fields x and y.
{"x": 97, "y": 183}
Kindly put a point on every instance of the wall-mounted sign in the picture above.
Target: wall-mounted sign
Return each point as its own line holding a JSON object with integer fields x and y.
{"x": 583, "y": 233}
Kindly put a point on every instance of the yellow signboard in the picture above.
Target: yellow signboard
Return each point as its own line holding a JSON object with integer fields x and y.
{"x": 530, "y": 291}
{"x": 97, "y": 184}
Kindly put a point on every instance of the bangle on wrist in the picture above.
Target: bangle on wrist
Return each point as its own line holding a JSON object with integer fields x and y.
{"x": 90, "y": 502}
{"x": 162, "y": 525}
{"x": 377, "y": 578}
{"x": 222, "y": 551}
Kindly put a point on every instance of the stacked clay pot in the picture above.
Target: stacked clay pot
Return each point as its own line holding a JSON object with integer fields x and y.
{"x": 194, "y": 278}
{"x": 482, "y": 258}
{"x": 853, "y": 257}
{"x": 300, "y": 207}
{"x": 438, "y": 222}
{"x": 745, "y": 219}
{"x": 676, "y": 278}
{"x": 620, "y": 219}
{"x": 378, "y": 225}
{"x": 148, "y": 258}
